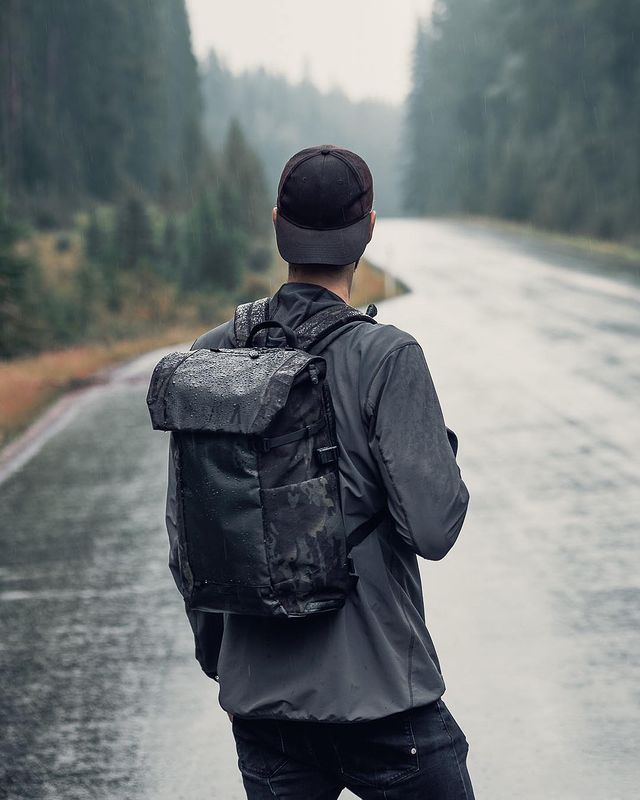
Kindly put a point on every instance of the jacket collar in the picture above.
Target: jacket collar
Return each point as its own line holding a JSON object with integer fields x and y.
{"x": 295, "y": 302}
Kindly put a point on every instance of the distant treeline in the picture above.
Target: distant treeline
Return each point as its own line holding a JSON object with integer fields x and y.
{"x": 530, "y": 111}
{"x": 280, "y": 118}
{"x": 102, "y": 148}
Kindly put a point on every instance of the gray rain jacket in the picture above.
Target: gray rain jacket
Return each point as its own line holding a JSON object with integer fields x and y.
{"x": 374, "y": 657}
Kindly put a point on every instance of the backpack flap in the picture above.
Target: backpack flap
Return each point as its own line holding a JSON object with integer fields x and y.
{"x": 237, "y": 390}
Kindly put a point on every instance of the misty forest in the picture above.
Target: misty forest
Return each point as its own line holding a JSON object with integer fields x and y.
{"x": 135, "y": 185}
{"x": 114, "y": 207}
{"x": 528, "y": 111}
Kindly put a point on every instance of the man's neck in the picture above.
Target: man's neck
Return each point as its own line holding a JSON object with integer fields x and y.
{"x": 340, "y": 290}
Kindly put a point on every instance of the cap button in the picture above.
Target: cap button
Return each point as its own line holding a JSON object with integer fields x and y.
{"x": 325, "y": 151}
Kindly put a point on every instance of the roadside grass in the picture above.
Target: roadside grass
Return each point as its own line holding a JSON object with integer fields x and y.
{"x": 30, "y": 384}
{"x": 372, "y": 284}
{"x": 609, "y": 258}
{"x": 59, "y": 253}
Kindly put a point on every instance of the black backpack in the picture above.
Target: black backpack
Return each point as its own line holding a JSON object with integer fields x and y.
{"x": 260, "y": 522}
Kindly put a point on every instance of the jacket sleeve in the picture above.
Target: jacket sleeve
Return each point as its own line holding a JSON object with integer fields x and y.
{"x": 207, "y": 628}
{"x": 415, "y": 453}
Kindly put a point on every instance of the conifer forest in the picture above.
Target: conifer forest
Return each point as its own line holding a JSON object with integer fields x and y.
{"x": 528, "y": 111}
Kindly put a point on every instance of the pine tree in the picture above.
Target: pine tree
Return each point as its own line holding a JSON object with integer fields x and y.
{"x": 216, "y": 251}
{"x": 133, "y": 233}
{"x": 20, "y": 288}
{"x": 245, "y": 202}
{"x": 96, "y": 242}
{"x": 172, "y": 256}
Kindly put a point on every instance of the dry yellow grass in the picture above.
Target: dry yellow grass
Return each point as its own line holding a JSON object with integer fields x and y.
{"x": 59, "y": 253}
{"x": 372, "y": 284}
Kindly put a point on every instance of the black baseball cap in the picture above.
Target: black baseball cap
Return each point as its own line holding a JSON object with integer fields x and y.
{"x": 325, "y": 196}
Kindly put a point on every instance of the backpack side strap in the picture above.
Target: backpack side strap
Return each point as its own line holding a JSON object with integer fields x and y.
{"x": 246, "y": 316}
{"x": 368, "y": 526}
{"x": 313, "y": 330}
{"x": 359, "y": 535}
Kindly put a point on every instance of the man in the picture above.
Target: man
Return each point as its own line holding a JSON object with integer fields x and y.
{"x": 350, "y": 698}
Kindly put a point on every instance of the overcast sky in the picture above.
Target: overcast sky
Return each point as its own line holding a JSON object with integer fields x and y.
{"x": 363, "y": 47}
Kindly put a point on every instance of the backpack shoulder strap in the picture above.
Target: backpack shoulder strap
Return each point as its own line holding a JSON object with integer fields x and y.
{"x": 246, "y": 316}
{"x": 312, "y": 331}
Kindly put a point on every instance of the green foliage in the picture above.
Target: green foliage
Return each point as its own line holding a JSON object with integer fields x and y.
{"x": 20, "y": 285}
{"x": 529, "y": 111}
{"x": 172, "y": 260}
{"x": 96, "y": 240}
{"x": 32, "y": 317}
{"x": 229, "y": 220}
{"x": 100, "y": 108}
{"x": 243, "y": 189}
{"x": 133, "y": 243}
{"x": 63, "y": 244}
{"x": 261, "y": 259}
{"x": 215, "y": 251}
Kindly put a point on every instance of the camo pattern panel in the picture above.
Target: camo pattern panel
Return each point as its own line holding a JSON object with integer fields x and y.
{"x": 305, "y": 541}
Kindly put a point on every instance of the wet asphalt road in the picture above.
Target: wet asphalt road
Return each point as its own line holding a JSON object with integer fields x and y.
{"x": 534, "y": 612}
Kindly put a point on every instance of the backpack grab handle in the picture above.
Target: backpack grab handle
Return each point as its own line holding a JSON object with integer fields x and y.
{"x": 289, "y": 333}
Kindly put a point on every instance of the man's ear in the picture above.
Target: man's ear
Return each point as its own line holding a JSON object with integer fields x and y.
{"x": 274, "y": 214}
{"x": 372, "y": 222}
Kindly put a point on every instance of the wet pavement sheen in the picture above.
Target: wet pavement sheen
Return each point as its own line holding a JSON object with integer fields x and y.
{"x": 534, "y": 612}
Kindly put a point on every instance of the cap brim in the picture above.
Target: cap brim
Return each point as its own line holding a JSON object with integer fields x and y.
{"x": 335, "y": 247}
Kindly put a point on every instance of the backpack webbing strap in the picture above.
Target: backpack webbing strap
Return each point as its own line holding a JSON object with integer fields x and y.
{"x": 287, "y": 438}
{"x": 368, "y": 526}
{"x": 246, "y": 316}
{"x": 314, "y": 329}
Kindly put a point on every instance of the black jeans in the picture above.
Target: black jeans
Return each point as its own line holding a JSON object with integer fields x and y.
{"x": 417, "y": 754}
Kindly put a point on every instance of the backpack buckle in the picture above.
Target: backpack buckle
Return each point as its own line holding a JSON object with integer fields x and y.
{"x": 353, "y": 575}
{"x": 327, "y": 455}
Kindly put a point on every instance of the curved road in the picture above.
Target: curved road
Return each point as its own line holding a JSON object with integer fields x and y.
{"x": 534, "y": 612}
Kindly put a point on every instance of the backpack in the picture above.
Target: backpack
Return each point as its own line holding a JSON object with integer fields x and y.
{"x": 260, "y": 525}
